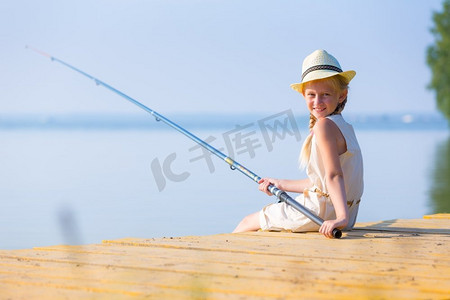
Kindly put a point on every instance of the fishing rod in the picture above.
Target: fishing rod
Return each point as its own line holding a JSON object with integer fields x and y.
{"x": 280, "y": 194}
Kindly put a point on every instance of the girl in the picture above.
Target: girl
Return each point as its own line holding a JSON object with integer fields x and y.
{"x": 330, "y": 154}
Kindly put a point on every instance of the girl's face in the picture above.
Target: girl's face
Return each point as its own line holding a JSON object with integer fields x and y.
{"x": 322, "y": 97}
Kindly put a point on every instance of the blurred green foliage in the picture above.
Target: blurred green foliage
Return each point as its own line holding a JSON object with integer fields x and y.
{"x": 440, "y": 188}
{"x": 438, "y": 58}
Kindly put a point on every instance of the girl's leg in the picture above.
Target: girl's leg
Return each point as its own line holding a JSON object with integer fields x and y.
{"x": 249, "y": 223}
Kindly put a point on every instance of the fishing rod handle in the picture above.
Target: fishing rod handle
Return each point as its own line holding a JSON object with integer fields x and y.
{"x": 337, "y": 233}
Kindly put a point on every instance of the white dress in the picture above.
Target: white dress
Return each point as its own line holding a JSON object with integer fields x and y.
{"x": 281, "y": 216}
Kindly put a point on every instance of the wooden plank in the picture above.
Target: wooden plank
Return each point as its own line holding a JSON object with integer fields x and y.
{"x": 366, "y": 263}
{"x": 172, "y": 274}
{"x": 438, "y": 225}
{"x": 40, "y": 256}
{"x": 161, "y": 259}
{"x": 437, "y": 216}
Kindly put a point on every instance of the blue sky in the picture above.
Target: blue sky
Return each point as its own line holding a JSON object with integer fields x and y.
{"x": 181, "y": 56}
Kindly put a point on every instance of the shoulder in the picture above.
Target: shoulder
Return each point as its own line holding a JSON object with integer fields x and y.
{"x": 325, "y": 127}
{"x": 329, "y": 136}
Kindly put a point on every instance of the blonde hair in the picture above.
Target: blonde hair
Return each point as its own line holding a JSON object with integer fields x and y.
{"x": 339, "y": 84}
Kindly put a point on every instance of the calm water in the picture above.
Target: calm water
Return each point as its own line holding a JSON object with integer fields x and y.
{"x": 82, "y": 186}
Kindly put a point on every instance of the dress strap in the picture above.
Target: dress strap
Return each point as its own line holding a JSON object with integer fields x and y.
{"x": 318, "y": 191}
{"x": 355, "y": 202}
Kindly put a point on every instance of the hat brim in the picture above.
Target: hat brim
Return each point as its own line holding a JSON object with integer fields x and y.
{"x": 322, "y": 74}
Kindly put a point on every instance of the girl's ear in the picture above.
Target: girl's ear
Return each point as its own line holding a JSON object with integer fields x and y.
{"x": 343, "y": 96}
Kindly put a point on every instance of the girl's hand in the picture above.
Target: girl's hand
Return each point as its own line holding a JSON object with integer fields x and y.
{"x": 327, "y": 227}
{"x": 265, "y": 182}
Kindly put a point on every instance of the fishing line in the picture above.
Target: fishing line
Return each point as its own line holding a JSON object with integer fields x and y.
{"x": 280, "y": 194}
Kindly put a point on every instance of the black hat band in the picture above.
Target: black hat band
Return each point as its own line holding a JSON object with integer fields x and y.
{"x": 321, "y": 67}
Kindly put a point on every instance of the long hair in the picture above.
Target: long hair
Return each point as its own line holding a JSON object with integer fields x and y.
{"x": 340, "y": 84}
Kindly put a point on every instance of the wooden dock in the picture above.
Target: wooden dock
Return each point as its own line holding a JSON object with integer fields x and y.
{"x": 397, "y": 259}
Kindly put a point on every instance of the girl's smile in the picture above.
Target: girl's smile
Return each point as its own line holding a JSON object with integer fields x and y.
{"x": 322, "y": 97}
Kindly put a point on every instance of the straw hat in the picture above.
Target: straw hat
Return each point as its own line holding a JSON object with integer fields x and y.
{"x": 318, "y": 65}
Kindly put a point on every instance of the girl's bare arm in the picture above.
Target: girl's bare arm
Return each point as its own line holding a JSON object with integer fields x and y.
{"x": 288, "y": 185}
{"x": 329, "y": 140}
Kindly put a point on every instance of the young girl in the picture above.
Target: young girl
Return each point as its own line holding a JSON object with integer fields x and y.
{"x": 330, "y": 153}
